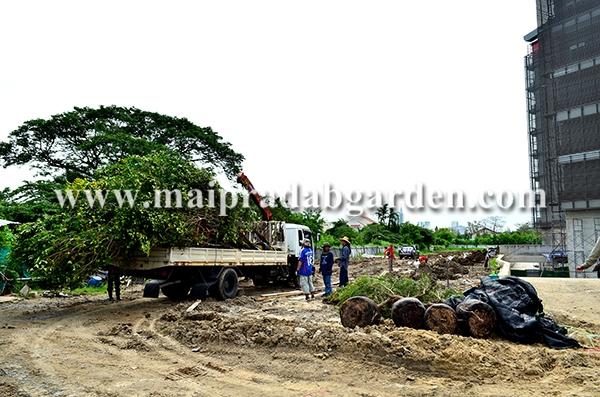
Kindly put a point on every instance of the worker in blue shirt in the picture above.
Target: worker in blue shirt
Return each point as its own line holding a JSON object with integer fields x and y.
{"x": 326, "y": 268}
{"x": 305, "y": 270}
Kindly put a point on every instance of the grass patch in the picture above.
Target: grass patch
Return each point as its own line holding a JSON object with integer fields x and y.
{"x": 381, "y": 288}
{"x": 88, "y": 290}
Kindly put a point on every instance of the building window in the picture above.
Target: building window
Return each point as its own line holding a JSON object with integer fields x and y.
{"x": 575, "y": 113}
{"x": 572, "y": 68}
{"x": 590, "y": 109}
{"x": 562, "y": 115}
{"x": 586, "y": 64}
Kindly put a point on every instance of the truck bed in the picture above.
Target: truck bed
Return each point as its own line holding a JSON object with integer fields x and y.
{"x": 196, "y": 256}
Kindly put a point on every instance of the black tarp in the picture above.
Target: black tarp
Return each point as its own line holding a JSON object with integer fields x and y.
{"x": 519, "y": 312}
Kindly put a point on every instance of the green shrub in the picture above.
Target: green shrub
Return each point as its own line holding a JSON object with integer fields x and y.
{"x": 381, "y": 288}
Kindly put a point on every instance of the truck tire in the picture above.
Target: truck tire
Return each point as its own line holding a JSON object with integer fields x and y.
{"x": 176, "y": 292}
{"x": 227, "y": 284}
{"x": 152, "y": 289}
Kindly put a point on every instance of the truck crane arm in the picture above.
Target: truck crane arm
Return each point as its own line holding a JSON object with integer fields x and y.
{"x": 255, "y": 196}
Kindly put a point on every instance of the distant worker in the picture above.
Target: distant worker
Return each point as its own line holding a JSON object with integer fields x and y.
{"x": 306, "y": 269}
{"x": 344, "y": 260}
{"x": 114, "y": 279}
{"x": 592, "y": 260}
{"x": 390, "y": 255}
{"x": 326, "y": 268}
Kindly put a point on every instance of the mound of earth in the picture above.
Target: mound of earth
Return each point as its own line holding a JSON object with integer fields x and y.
{"x": 456, "y": 357}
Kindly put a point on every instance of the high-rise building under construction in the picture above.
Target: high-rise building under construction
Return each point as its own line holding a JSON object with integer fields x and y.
{"x": 563, "y": 101}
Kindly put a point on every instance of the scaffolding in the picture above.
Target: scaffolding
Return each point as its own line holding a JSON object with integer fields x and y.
{"x": 562, "y": 71}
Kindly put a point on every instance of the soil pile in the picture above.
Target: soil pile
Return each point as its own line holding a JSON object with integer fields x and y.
{"x": 429, "y": 353}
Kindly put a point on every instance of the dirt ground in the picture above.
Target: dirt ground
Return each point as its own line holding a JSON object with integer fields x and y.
{"x": 280, "y": 346}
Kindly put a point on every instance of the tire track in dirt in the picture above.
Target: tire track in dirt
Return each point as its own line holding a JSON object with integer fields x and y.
{"x": 75, "y": 353}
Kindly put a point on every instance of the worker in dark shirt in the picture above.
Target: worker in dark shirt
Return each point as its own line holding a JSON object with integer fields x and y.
{"x": 114, "y": 279}
{"x": 326, "y": 268}
{"x": 344, "y": 260}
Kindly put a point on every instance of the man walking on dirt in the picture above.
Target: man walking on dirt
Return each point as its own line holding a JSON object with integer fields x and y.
{"x": 344, "y": 260}
{"x": 389, "y": 254}
{"x": 114, "y": 278}
{"x": 326, "y": 268}
{"x": 592, "y": 259}
{"x": 306, "y": 269}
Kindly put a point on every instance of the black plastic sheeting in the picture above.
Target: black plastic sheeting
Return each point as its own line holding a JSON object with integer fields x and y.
{"x": 519, "y": 312}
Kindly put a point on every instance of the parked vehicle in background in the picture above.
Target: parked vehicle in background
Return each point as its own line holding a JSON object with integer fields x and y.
{"x": 408, "y": 252}
{"x": 557, "y": 256}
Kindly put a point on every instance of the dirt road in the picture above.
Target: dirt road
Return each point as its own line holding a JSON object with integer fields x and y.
{"x": 282, "y": 347}
{"x": 574, "y": 298}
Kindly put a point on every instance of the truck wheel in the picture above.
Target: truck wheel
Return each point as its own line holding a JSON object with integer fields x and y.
{"x": 176, "y": 292}
{"x": 152, "y": 289}
{"x": 227, "y": 284}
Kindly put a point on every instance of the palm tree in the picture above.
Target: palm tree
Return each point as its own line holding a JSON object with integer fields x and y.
{"x": 382, "y": 213}
{"x": 392, "y": 217}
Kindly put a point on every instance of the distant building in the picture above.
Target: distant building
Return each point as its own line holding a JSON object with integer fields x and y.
{"x": 458, "y": 228}
{"x": 360, "y": 221}
{"x": 424, "y": 224}
{"x": 484, "y": 231}
{"x": 400, "y": 216}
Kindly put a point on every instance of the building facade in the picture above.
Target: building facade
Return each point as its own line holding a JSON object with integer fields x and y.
{"x": 563, "y": 102}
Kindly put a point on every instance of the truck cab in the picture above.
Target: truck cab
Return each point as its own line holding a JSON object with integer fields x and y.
{"x": 294, "y": 235}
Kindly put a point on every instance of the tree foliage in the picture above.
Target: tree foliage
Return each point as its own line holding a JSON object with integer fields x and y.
{"x": 79, "y": 142}
{"x": 341, "y": 229}
{"x": 31, "y": 201}
{"x": 310, "y": 217}
{"x": 65, "y": 247}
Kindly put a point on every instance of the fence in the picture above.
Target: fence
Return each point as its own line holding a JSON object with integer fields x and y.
{"x": 356, "y": 251}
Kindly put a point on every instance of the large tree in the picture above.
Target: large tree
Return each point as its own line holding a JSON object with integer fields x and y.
{"x": 77, "y": 143}
{"x": 62, "y": 249}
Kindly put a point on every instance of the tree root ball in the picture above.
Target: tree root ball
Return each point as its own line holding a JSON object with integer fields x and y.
{"x": 408, "y": 312}
{"x": 441, "y": 318}
{"x": 478, "y": 318}
{"x": 359, "y": 311}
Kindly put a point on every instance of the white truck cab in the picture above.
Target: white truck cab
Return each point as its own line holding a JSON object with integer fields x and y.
{"x": 294, "y": 235}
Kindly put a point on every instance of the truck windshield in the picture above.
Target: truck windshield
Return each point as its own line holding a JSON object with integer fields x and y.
{"x": 308, "y": 235}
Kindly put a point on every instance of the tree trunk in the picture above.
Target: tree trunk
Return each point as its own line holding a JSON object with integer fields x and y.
{"x": 359, "y": 311}
{"x": 477, "y": 317}
{"x": 408, "y": 312}
{"x": 441, "y": 318}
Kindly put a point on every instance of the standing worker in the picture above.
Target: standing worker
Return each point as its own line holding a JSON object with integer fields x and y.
{"x": 114, "y": 278}
{"x": 390, "y": 255}
{"x": 306, "y": 269}
{"x": 592, "y": 259}
{"x": 326, "y": 268}
{"x": 344, "y": 260}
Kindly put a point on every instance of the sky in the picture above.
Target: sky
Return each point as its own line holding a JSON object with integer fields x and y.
{"x": 365, "y": 95}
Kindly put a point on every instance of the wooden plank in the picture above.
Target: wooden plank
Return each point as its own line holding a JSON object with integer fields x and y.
{"x": 193, "y": 306}
{"x": 289, "y": 293}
